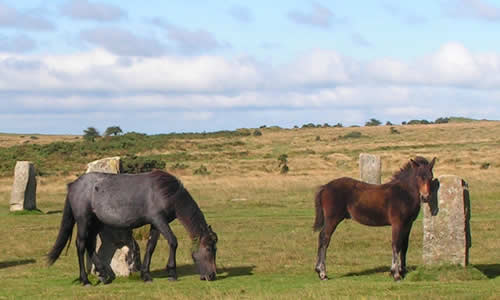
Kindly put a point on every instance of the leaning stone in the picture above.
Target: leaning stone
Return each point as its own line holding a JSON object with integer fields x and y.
{"x": 446, "y": 223}
{"x": 118, "y": 251}
{"x": 370, "y": 167}
{"x": 23, "y": 195}
{"x": 105, "y": 165}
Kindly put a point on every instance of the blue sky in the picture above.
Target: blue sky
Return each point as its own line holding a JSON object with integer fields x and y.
{"x": 182, "y": 66}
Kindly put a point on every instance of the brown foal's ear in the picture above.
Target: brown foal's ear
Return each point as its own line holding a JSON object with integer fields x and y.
{"x": 414, "y": 163}
{"x": 432, "y": 163}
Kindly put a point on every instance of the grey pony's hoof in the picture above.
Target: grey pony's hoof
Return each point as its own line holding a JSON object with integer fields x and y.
{"x": 146, "y": 277}
{"x": 171, "y": 274}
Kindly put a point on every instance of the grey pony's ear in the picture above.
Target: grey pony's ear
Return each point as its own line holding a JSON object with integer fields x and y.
{"x": 431, "y": 165}
{"x": 213, "y": 235}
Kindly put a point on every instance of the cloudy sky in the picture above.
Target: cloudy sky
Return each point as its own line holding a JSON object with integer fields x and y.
{"x": 195, "y": 65}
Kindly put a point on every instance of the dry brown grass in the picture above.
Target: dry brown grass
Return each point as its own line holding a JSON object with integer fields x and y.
{"x": 461, "y": 149}
{"x": 8, "y": 140}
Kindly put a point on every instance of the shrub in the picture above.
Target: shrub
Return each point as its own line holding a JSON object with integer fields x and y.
{"x": 442, "y": 120}
{"x": 283, "y": 163}
{"x": 113, "y": 130}
{"x": 202, "y": 170}
{"x": 394, "y": 130}
{"x": 351, "y": 135}
{"x": 90, "y": 134}
{"x": 373, "y": 122}
{"x": 179, "y": 166}
{"x": 484, "y": 166}
{"x": 137, "y": 164}
{"x": 257, "y": 132}
{"x": 417, "y": 122}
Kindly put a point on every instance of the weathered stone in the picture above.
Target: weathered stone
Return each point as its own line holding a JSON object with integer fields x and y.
{"x": 370, "y": 167}
{"x": 447, "y": 236}
{"x": 23, "y": 195}
{"x": 105, "y": 165}
{"x": 118, "y": 251}
{"x": 116, "y": 248}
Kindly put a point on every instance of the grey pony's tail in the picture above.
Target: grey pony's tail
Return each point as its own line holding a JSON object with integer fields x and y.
{"x": 319, "y": 220}
{"x": 65, "y": 233}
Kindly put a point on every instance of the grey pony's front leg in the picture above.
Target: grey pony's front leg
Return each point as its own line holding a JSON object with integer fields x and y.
{"x": 150, "y": 248}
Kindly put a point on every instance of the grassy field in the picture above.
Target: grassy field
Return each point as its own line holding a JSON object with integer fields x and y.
{"x": 263, "y": 218}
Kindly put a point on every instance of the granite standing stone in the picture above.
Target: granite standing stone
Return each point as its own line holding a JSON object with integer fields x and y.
{"x": 105, "y": 165}
{"x": 23, "y": 195}
{"x": 116, "y": 248}
{"x": 370, "y": 167}
{"x": 118, "y": 251}
{"x": 447, "y": 236}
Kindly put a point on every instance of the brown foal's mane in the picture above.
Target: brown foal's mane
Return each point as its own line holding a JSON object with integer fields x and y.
{"x": 405, "y": 171}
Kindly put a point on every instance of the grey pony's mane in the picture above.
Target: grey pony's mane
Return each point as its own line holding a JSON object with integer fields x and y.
{"x": 186, "y": 209}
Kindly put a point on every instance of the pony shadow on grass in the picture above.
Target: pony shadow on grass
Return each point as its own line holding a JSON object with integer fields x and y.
{"x": 491, "y": 271}
{"x": 222, "y": 273}
{"x": 382, "y": 269}
{"x": 15, "y": 263}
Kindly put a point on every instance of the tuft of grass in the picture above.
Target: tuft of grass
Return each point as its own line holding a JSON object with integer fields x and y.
{"x": 26, "y": 212}
{"x": 446, "y": 273}
{"x": 351, "y": 135}
{"x": 202, "y": 170}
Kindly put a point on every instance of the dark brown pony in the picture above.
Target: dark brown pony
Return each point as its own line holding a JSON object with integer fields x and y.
{"x": 396, "y": 203}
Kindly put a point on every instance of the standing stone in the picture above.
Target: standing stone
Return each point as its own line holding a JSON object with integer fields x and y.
{"x": 370, "y": 167}
{"x": 23, "y": 195}
{"x": 105, "y": 165}
{"x": 116, "y": 248}
{"x": 118, "y": 251}
{"x": 447, "y": 236}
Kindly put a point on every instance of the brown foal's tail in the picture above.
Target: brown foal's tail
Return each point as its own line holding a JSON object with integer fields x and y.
{"x": 319, "y": 220}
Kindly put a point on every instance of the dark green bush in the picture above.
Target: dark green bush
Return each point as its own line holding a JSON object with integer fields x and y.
{"x": 394, "y": 130}
{"x": 202, "y": 170}
{"x": 351, "y": 135}
{"x": 283, "y": 163}
{"x": 137, "y": 164}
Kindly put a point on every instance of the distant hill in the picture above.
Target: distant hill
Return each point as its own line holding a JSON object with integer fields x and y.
{"x": 463, "y": 120}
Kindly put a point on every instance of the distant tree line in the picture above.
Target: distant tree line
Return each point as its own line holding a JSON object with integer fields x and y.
{"x": 91, "y": 133}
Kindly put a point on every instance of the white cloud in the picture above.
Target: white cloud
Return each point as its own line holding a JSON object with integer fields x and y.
{"x": 320, "y": 16}
{"x": 202, "y": 88}
{"x": 477, "y": 9}
{"x": 86, "y": 10}
{"x": 11, "y": 17}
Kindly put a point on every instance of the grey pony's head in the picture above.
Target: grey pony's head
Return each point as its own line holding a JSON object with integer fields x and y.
{"x": 204, "y": 254}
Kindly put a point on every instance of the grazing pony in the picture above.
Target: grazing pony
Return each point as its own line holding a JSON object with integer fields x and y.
{"x": 396, "y": 203}
{"x": 126, "y": 201}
